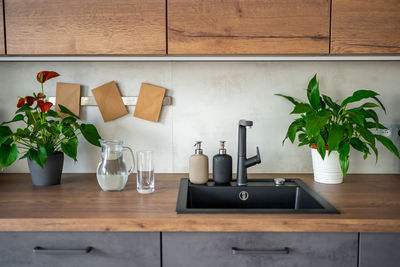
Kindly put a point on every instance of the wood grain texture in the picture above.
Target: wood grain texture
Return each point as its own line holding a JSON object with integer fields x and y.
{"x": 368, "y": 203}
{"x": 365, "y": 27}
{"x": 2, "y": 42}
{"x": 75, "y": 27}
{"x": 248, "y": 27}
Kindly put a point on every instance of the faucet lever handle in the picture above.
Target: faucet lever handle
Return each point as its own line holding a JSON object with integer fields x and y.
{"x": 253, "y": 160}
{"x": 258, "y": 155}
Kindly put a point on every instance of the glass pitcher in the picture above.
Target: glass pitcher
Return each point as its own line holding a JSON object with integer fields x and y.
{"x": 112, "y": 173}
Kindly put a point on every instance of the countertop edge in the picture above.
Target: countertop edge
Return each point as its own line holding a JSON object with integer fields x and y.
{"x": 196, "y": 225}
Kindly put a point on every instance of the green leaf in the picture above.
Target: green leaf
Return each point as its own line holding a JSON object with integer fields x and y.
{"x": 388, "y": 144}
{"x": 321, "y": 146}
{"x": 5, "y": 133}
{"x": 18, "y": 117}
{"x": 26, "y": 155}
{"x": 301, "y": 108}
{"x": 380, "y": 103}
{"x": 357, "y": 118}
{"x": 359, "y": 95}
{"x": 336, "y": 133}
{"x": 371, "y": 125}
{"x": 8, "y": 154}
{"x": 373, "y": 147}
{"x": 357, "y": 144}
{"x": 68, "y": 131}
{"x": 291, "y": 99}
{"x": 313, "y": 93}
{"x": 90, "y": 133}
{"x": 372, "y": 114}
{"x": 52, "y": 113}
{"x": 314, "y": 124}
{"x": 68, "y": 120}
{"x": 67, "y": 111}
{"x": 344, "y": 163}
{"x": 42, "y": 155}
{"x": 34, "y": 156}
{"x": 331, "y": 104}
{"x": 303, "y": 139}
{"x": 24, "y": 108}
{"x": 70, "y": 148}
{"x": 366, "y": 134}
{"x": 32, "y": 117}
{"x": 22, "y": 133}
{"x": 344, "y": 148}
{"x": 291, "y": 132}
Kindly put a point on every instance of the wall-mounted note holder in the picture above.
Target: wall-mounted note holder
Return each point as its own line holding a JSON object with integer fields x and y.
{"x": 128, "y": 100}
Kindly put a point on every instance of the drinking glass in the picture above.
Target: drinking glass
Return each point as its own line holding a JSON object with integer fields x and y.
{"x": 145, "y": 172}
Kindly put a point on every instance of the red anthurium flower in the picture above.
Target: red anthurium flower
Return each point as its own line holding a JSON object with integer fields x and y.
{"x": 43, "y": 76}
{"x": 44, "y": 106}
{"x": 41, "y": 95}
{"x": 30, "y": 100}
{"x": 21, "y": 102}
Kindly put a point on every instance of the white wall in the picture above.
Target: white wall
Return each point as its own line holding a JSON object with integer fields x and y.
{"x": 209, "y": 100}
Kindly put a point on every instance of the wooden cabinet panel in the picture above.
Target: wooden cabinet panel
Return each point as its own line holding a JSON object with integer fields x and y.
{"x": 365, "y": 27}
{"x": 248, "y": 26}
{"x": 259, "y": 249}
{"x": 2, "y": 44}
{"x": 58, "y": 27}
{"x": 379, "y": 249}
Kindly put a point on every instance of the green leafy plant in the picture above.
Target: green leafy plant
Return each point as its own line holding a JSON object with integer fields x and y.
{"x": 325, "y": 123}
{"x": 45, "y": 131}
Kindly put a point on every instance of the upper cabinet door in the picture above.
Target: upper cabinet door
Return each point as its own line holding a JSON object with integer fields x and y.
{"x": 248, "y": 26}
{"x": 2, "y": 51}
{"x": 85, "y": 27}
{"x": 365, "y": 27}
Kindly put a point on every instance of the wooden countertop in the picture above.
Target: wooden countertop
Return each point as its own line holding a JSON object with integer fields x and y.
{"x": 368, "y": 203}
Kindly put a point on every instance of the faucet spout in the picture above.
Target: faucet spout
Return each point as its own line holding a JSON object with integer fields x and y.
{"x": 243, "y": 162}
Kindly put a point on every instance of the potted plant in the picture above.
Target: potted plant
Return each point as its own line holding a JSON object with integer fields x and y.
{"x": 43, "y": 137}
{"x": 331, "y": 128}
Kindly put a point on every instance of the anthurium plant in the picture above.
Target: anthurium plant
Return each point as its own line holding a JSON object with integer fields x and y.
{"x": 332, "y": 126}
{"x": 41, "y": 130}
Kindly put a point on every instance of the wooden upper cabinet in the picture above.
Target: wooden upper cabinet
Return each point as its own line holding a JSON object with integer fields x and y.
{"x": 365, "y": 27}
{"x": 2, "y": 45}
{"x": 248, "y": 26}
{"x": 85, "y": 27}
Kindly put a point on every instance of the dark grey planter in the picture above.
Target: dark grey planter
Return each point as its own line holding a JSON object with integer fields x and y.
{"x": 51, "y": 173}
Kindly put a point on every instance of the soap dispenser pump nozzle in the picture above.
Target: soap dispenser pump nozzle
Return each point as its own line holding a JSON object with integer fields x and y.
{"x": 198, "y": 148}
{"x": 222, "y": 149}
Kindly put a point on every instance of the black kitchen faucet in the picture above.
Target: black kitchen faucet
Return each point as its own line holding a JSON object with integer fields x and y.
{"x": 243, "y": 162}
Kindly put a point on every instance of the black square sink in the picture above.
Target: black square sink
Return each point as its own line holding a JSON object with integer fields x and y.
{"x": 259, "y": 196}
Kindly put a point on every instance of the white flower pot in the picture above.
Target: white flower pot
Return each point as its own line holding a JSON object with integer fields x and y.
{"x": 326, "y": 171}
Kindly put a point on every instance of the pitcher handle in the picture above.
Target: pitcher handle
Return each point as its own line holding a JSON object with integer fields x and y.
{"x": 133, "y": 160}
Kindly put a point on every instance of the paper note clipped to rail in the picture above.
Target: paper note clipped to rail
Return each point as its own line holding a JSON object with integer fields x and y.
{"x": 149, "y": 103}
{"x": 109, "y": 101}
{"x": 69, "y": 96}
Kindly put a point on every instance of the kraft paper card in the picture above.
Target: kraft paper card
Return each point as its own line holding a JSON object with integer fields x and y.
{"x": 149, "y": 103}
{"x": 109, "y": 101}
{"x": 68, "y": 95}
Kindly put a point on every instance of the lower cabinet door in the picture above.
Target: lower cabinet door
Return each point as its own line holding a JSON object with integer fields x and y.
{"x": 259, "y": 249}
{"x": 379, "y": 249}
{"x": 79, "y": 249}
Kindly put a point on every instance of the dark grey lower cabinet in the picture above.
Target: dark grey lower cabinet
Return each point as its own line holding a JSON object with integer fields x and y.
{"x": 259, "y": 249}
{"x": 379, "y": 249}
{"x": 73, "y": 249}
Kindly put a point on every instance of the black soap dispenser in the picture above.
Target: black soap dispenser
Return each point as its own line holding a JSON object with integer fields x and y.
{"x": 222, "y": 166}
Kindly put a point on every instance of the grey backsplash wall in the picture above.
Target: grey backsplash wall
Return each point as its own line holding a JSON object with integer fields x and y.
{"x": 209, "y": 100}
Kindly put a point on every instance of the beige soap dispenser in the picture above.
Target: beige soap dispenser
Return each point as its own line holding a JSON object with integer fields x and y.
{"x": 198, "y": 166}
